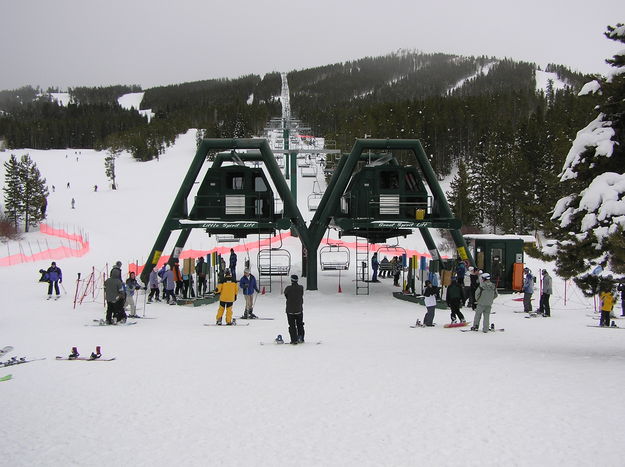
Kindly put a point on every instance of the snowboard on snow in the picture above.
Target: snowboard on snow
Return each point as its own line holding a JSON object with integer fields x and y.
{"x": 479, "y": 330}
{"x": 253, "y": 319}
{"x": 6, "y": 378}
{"x": 456, "y": 325}
{"x": 19, "y": 361}
{"x": 5, "y": 350}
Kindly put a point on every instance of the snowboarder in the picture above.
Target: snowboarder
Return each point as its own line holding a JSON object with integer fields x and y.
{"x": 430, "y": 303}
{"x": 528, "y": 290}
{"x": 227, "y": 291}
{"x": 374, "y": 267}
{"x": 248, "y": 286}
{"x": 55, "y": 276}
{"x": 484, "y": 296}
{"x": 294, "y": 294}
{"x": 233, "y": 264}
{"x": 544, "y": 307}
{"x": 132, "y": 285}
{"x": 73, "y": 203}
{"x": 454, "y": 300}
{"x": 153, "y": 283}
{"x": 115, "y": 298}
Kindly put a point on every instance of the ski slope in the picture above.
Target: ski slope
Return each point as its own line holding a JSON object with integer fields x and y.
{"x": 544, "y": 392}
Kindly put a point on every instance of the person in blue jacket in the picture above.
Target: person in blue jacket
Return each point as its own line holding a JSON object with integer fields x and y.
{"x": 248, "y": 286}
{"x": 55, "y": 276}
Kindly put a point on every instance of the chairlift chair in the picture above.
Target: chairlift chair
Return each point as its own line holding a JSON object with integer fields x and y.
{"x": 334, "y": 258}
{"x": 274, "y": 262}
{"x": 313, "y": 201}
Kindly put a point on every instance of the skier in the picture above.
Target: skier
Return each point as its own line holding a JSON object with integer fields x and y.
{"x": 396, "y": 270}
{"x": 248, "y": 286}
{"x": 607, "y": 303}
{"x": 168, "y": 285}
{"x": 227, "y": 291}
{"x": 430, "y": 303}
{"x": 153, "y": 283}
{"x": 55, "y": 276}
{"x": 132, "y": 285}
{"x": 73, "y": 203}
{"x": 484, "y": 296}
{"x": 454, "y": 300}
{"x": 116, "y": 271}
{"x": 385, "y": 266}
{"x": 544, "y": 307}
{"x": 177, "y": 278}
{"x": 200, "y": 269}
{"x": 374, "y": 267}
{"x": 467, "y": 298}
{"x": 528, "y": 290}
{"x": 233, "y": 264}
{"x": 294, "y": 294}
{"x": 475, "y": 283}
{"x": 115, "y": 298}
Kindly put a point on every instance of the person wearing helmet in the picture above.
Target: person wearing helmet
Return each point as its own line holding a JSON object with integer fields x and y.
{"x": 294, "y": 294}
{"x": 248, "y": 286}
{"x": 484, "y": 296}
{"x": 227, "y": 291}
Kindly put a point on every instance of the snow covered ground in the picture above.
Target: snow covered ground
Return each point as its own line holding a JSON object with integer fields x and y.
{"x": 376, "y": 392}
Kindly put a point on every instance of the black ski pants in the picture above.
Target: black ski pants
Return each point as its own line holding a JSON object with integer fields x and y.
{"x": 544, "y": 307}
{"x": 153, "y": 292}
{"x": 296, "y": 326}
{"x": 56, "y": 287}
{"x": 454, "y": 306}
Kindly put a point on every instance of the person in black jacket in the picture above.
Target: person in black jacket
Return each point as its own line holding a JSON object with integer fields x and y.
{"x": 454, "y": 300}
{"x": 294, "y": 294}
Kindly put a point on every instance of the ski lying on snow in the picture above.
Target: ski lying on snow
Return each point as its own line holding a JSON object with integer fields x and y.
{"x": 19, "y": 361}
{"x": 598, "y": 316}
{"x": 88, "y": 359}
{"x": 141, "y": 317}
{"x": 6, "y": 378}
{"x": 5, "y": 350}
{"x": 226, "y": 325}
{"x": 253, "y": 319}
{"x": 288, "y": 343}
{"x": 606, "y": 327}
{"x": 100, "y": 323}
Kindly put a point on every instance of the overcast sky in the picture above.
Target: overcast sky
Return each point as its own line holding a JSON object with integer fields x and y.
{"x": 153, "y": 42}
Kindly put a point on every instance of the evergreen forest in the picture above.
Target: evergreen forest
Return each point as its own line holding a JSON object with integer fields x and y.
{"x": 480, "y": 118}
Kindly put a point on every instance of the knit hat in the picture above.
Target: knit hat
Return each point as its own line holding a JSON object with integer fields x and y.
{"x": 294, "y": 278}
{"x": 485, "y": 276}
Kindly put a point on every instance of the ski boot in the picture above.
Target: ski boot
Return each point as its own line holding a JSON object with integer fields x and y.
{"x": 279, "y": 339}
{"x": 74, "y": 355}
{"x": 418, "y": 323}
{"x": 300, "y": 339}
{"x": 492, "y": 326}
{"x": 473, "y": 328}
{"x": 95, "y": 355}
{"x": 218, "y": 322}
{"x": 613, "y": 325}
{"x": 251, "y": 315}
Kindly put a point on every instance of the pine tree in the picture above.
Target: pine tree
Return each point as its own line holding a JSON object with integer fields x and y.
{"x": 109, "y": 165}
{"x": 590, "y": 216}
{"x": 460, "y": 199}
{"x": 34, "y": 193}
{"x": 13, "y": 191}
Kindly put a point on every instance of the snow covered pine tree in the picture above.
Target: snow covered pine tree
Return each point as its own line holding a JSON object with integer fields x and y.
{"x": 591, "y": 217}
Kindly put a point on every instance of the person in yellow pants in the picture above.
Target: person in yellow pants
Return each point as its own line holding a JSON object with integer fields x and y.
{"x": 227, "y": 291}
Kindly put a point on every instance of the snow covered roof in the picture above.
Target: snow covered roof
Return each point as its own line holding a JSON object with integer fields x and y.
{"x": 525, "y": 238}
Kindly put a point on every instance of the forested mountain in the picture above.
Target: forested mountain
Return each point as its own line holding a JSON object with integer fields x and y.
{"x": 483, "y": 111}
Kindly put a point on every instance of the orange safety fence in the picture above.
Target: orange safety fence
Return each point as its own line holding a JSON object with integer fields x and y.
{"x": 77, "y": 246}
